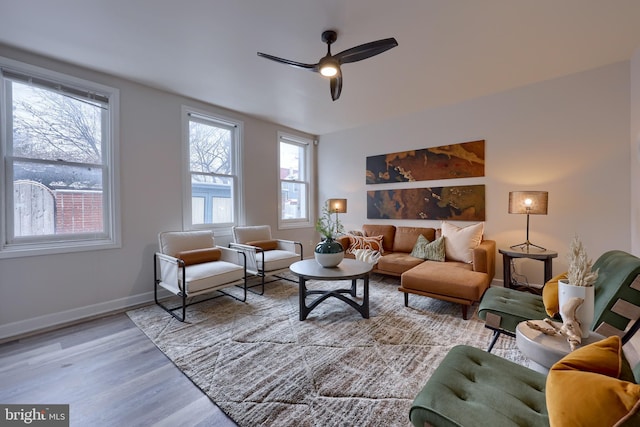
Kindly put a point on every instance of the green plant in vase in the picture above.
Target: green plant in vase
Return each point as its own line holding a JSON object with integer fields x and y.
{"x": 328, "y": 252}
{"x": 328, "y": 228}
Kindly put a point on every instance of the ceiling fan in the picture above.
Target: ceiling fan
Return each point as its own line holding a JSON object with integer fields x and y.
{"x": 329, "y": 65}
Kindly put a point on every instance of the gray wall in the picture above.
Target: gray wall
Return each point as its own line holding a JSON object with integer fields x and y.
{"x": 569, "y": 136}
{"x": 41, "y": 291}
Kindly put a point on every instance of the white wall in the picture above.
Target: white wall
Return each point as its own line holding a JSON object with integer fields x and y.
{"x": 635, "y": 153}
{"x": 42, "y": 291}
{"x": 569, "y": 136}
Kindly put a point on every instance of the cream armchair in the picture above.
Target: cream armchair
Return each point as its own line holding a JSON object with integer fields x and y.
{"x": 189, "y": 264}
{"x": 266, "y": 256}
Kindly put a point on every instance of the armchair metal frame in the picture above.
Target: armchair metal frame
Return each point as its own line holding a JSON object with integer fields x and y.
{"x": 185, "y": 296}
{"x": 255, "y": 257}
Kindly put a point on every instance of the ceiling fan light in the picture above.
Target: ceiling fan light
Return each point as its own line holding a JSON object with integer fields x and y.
{"x": 328, "y": 66}
{"x": 328, "y": 70}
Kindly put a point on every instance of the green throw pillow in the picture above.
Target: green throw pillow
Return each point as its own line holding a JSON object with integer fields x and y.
{"x": 433, "y": 251}
{"x": 418, "y": 250}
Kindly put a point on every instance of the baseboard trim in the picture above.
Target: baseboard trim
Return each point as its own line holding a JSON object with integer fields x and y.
{"x": 497, "y": 283}
{"x": 15, "y": 330}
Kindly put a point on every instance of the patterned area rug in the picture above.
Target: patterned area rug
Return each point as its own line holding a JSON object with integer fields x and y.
{"x": 263, "y": 366}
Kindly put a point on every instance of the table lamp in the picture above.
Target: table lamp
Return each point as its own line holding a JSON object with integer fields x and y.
{"x": 337, "y": 206}
{"x": 530, "y": 203}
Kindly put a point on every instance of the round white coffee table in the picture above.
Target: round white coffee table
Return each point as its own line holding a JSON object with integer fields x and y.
{"x": 348, "y": 269}
{"x": 545, "y": 350}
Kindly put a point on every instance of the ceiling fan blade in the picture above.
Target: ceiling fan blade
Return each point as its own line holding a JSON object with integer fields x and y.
{"x": 310, "y": 67}
{"x": 365, "y": 51}
{"x": 335, "y": 84}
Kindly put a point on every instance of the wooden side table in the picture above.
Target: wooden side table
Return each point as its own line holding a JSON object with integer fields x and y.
{"x": 508, "y": 254}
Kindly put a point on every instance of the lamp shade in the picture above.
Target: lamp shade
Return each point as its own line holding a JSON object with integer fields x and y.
{"x": 337, "y": 205}
{"x": 528, "y": 202}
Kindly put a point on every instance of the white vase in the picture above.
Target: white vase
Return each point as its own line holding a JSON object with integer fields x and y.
{"x": 585, "y": 312}
{"x": 329, "y": 253}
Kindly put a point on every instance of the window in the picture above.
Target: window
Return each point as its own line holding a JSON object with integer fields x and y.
{"x": 212, "y": 153}
{"x": 294, "y": 181}
{"x": 59, "y": 150}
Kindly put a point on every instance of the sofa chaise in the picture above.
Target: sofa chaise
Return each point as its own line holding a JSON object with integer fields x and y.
{"x": 462, "y": 281}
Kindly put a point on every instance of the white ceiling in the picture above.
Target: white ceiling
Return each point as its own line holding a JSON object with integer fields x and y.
{"x": 449, "y": 50}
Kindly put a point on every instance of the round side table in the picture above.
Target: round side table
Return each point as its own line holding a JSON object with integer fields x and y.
{"x": 545, "y": 350}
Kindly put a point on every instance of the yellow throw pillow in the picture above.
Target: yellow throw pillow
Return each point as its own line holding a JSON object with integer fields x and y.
{"x": 583, "y": 389}
{"x": 602, "y": 357}
{"x": 199, "y": 256}
{"x": 265, "y": 245}
{"x": 550, "y": 295}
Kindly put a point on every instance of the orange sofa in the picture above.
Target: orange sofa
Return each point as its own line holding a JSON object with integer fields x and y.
{"x": 454, "y": 281}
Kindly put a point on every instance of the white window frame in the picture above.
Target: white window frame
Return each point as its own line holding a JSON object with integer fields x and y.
{"x": 308, "y": 144}
{"x": 63, "y": 243}
{"x": 238, "y": 199}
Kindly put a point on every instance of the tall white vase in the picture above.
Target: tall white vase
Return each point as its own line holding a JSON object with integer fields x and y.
{"x": 585, "y": 312}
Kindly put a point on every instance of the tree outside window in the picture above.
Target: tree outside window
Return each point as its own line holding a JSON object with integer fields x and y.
{"x": 59, "y": 157}
{"x": 57, "y": 146}
{"x": 212, "y": 153}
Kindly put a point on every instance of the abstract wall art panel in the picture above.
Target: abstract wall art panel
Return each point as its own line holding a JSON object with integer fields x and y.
{"x": 462, "y": 160}
{"x": 462, "y": 203}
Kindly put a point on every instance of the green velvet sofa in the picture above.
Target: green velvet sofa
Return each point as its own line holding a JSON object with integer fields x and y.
{"x": 472, "y": 388}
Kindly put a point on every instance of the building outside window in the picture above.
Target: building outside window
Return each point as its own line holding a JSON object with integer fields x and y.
{"x": 212, "y": 152}
{"x": 59, "y": 150}
{"x": 294, "y": 181}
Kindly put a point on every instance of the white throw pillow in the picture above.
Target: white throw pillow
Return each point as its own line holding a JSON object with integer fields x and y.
{"x": 459, "y": 243}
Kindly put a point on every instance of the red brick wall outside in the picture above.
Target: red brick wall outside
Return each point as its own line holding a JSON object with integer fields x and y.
{"x": 78, "y": 211}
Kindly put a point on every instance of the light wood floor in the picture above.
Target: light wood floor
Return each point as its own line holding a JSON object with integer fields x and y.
{"x": 109, "y": 373}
